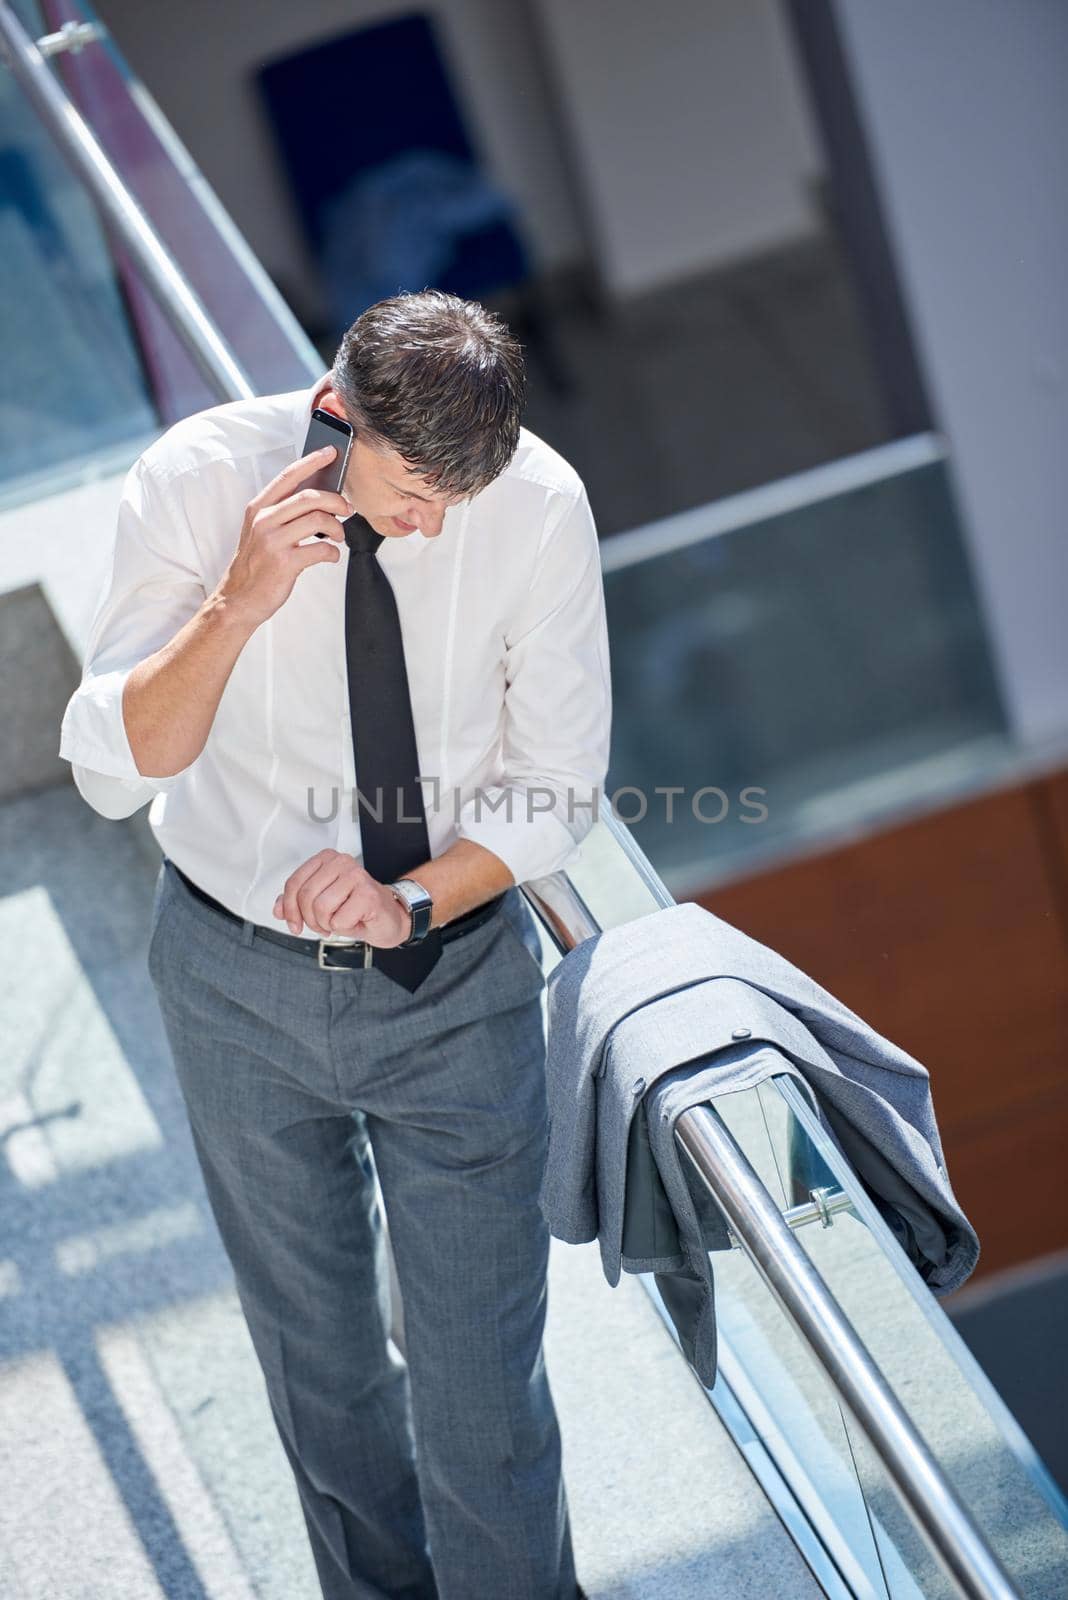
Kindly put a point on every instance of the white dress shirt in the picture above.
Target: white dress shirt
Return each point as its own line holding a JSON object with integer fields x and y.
{"x": 503, "y": 622}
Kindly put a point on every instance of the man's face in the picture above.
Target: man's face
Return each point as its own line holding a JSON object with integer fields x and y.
{"x": 395, "y": 500}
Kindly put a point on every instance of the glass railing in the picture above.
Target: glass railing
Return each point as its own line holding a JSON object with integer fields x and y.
{"x": 784, "y": 1408}
{"x": 979, "y": 1446}
{"x": 93, "y": 368}
{"x": 72, "y": 386}
{"x": 797, "y": 661}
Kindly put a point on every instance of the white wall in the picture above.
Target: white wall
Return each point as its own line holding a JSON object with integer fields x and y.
{"x": 682, "y": 123}
{"x": 689, "y": 128}
{"x": 198, "y": 57}
{"x": 965, "y": 108}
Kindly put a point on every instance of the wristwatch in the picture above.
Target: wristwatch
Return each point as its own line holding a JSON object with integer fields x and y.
{"x": 419, "y": 903}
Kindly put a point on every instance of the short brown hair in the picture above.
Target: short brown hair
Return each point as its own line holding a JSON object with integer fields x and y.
{"x": 438, "y": 379}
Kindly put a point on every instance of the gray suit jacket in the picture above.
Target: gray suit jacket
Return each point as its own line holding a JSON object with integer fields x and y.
{"x": 630, "y": 1008}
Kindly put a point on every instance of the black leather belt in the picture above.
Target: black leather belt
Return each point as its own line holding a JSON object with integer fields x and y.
{"x": 345, "y": 956}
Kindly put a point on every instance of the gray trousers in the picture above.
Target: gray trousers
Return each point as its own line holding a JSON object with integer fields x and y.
{"x": 436, "y": 1477}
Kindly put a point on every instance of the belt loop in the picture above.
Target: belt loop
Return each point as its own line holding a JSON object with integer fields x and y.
{"x": 248, "y": 932}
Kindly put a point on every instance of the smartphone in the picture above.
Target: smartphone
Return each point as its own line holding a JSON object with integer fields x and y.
{"x": 323, "y": 429}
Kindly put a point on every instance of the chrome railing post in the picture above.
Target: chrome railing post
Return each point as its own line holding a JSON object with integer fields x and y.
{"x": 82, "y": 150}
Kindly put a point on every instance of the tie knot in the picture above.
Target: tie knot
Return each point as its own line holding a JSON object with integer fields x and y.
{"x": 360, "y": 537}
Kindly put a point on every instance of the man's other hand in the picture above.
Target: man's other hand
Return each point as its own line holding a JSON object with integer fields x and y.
{"x": 334, "y": 894}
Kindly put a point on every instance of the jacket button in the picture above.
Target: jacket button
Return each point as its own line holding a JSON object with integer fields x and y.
{"x": 741, "y": 1033}
{"x": 638, "y": 1085}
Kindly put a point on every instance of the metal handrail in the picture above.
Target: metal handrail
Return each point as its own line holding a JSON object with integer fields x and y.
{"x": 766, "y": 1235}
{"x": 757, "y": 1222}
{"x": 747, "y": 1206}
{"x": 566, "y": 916}
{"x": 777, "y": 498}
{"x": 79, "y": 145}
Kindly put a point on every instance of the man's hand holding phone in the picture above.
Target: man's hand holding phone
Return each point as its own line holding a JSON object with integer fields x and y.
{"x": 270, "y": 556}
{"x": 171, "y": 697}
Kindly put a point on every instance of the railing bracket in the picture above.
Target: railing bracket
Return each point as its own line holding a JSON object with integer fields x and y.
{"x": 71, "y": 38}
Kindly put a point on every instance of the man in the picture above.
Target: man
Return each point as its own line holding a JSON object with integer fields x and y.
{"x": 445, "y": 643}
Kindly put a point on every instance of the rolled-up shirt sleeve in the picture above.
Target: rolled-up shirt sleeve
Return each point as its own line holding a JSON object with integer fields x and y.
{"x": 154, "y": 586}
{"x": 557, "y": 709}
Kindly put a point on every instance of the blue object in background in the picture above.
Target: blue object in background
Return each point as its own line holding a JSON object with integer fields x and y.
{"x": 383, "y": 173}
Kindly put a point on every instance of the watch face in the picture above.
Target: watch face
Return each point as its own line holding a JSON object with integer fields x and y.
{"x": 420, "y": 904}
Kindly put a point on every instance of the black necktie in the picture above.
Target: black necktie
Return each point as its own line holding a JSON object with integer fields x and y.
{"x": 383, "y": 739}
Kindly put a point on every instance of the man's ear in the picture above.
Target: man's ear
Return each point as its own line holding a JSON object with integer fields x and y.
{"x": 328, "y": 401}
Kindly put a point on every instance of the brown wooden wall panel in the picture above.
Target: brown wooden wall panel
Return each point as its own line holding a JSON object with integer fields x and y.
{"x": 1051, "y": 810}
{"x": 1009, "y": 1176}
{"x": 949, "y": 933}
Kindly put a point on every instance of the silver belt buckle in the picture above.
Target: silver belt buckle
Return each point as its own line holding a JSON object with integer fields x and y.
{"x": 334, "y": 944}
